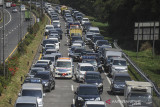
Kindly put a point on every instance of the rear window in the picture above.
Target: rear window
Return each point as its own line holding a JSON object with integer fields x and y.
{"x": 25, "y": 105}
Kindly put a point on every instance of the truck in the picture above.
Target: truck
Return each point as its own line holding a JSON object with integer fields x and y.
{"x": 109, "y": 53}
{"x": 27, "y": 15}
{"x": 8, "y": 4}
{"x": 138, "y": 94}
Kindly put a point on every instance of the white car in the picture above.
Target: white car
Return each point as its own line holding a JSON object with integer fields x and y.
{"x": 95, "y": 104}
{"x": 57, "y": 43}
{"x": 84, "y": 20}
{"x": 81, "y": 69}
{"x": 47, "y": 28}
{"x": 56, "y": 23}
{"x": 46, "y": 61}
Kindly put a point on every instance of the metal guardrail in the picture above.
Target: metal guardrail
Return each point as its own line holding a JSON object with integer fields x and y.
{"x": 138, "y": 69}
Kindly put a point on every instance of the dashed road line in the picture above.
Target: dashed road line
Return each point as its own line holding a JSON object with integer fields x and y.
{"x": 72, "y": 88}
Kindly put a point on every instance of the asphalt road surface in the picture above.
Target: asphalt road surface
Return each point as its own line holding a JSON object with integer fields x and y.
{"x": 63, "y": 95}
{"x": 12, "y": 30}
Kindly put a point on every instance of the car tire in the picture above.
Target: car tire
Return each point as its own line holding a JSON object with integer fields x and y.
{"x": 49, "y": 90}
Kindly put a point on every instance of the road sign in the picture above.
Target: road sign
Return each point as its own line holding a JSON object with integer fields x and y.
{"x": 146, "y": 31}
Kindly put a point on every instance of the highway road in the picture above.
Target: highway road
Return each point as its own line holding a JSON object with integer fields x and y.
{"x": 12, "y": 30}
{"x": 63, "y": 95}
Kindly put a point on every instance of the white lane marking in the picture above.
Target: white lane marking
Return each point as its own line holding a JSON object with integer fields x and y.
{"x": 116, "y": 95}
{"x": 12, "y": 30}
{"x": 105, "y": 74}
{"x": 119, "y": 100}
{"x": 72, "y": 88}
{"x": 7, "y": 35}
{"x": 9, "y": 19}
{"x": 108, "y": 80}
{"x": 73, "y": 102}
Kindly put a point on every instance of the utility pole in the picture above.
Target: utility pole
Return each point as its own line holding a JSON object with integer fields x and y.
{"x": 20, "y": 21}
{"x": 30, "y": 13}
{"x": 4, "y": 72}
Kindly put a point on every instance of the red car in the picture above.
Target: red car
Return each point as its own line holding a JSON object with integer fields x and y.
{"x": 13, "y": 5}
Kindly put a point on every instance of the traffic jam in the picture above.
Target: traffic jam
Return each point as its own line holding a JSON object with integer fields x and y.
{"x": 89, "y": 56}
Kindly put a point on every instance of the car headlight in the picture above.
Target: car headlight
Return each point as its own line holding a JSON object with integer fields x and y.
{"x": 46, "y": 84}
{"x": 100, "y": 84}
{"x": 98, "y": 99}
{"x": 116, "y": 86}
{"x": 80, "y": 98}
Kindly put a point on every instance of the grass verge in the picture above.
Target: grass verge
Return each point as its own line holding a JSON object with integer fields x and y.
{"x": 25, "y": 61}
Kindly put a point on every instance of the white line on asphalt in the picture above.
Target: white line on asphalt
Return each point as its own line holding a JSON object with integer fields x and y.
{"x": 73, "y": 102}
{"x": 72, "y": 88}
{"x": 7, "y": 35}
{"x": 105, "y": 74}
{"x": 9, "y": 19}
{"x": 12, "y": 30}
{"x": 119, "y": 100}
{"x": 116, "y": 95}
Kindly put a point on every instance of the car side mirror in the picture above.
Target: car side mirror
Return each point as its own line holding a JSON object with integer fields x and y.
{"x": 19, "y": 94}
{"x": 75, "y": 92}
{"x": 44, "y": 94}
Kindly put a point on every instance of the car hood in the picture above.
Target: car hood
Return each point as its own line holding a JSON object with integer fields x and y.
{"x": 96, "y": 82}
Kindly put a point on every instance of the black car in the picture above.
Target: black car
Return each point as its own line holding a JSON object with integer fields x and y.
{"x": 60, "y": 32}
{"x": 86, "y": 92}
{"x": 48, "y": 81}
{"x": 118, "y": 82}
{"x": 95, "y": 38}
{"x": 76, "y": 53}
{"x": 94, "y": 78}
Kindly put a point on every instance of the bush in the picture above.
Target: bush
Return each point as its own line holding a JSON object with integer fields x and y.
{"x": 145, "y": 46}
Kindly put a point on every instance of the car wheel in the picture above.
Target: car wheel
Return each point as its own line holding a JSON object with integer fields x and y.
{"x": 49, "y": 89}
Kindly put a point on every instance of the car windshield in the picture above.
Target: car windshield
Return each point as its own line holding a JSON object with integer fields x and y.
{"x": 85, "y": 20}
{"x": 95, "y": 105}
{"x": 88, "y": 91}
{"x": 143, "y": 97}
{"x": 98, "y": 38}
{"x": 79, "y": 50}
{"x": 63, "y": 64}
{"x": 94, "y": 31}
{"x": 87, "y": 68}
{"x": 100, "y": 43}
{"x": 49, "y": 28}
{"x": 25, "y": 105}
{"x": 50, "y": 52}
{"x": 34, "y": 71}
{"x": 50, "y": 46}
{"x": 89, "y": 36}
{"x": 49, "y": 58}
{"x": 49, "y": 42}
{"x": 93, "y": 77}
{"x": 122, "y": 78}
{"x": 120, "y": 62}
{"x": 76, "y": 38}
{"x": 93, "y": 62}
{"x": 34, "y": 93}
{"x": 42, "y": 76}
{"x": 41, "y": 65}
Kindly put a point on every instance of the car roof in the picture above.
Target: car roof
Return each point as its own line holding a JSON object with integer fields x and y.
{"x": 32, "y": 86}
{"x": 95, "y": 102}
{"x": 93, "y": 28}
{"x": 50, "y": 44}
{"x": 51, "y": 50}
{"x": 121, "y": 74}
{"x": 36, "y": 68}
{"x": 43, "y": 60}
{"x": 87, "y": 85}
{"x": 26, "y": 99}
{"x": 49, "y": 25}
{"x": 85, "y": 64}
{"x": 92, "y": 72}
{"x": 118, "y": 58}
{"x": 43, "y": 72}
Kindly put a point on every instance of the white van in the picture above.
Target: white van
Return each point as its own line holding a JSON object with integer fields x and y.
{"x": 94, "y": 30}
{"x": 33, "y": 90}
{"x": 64, "y": 67}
